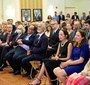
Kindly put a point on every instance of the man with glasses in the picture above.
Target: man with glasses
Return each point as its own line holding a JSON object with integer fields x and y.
{"x": 53, "y": 40}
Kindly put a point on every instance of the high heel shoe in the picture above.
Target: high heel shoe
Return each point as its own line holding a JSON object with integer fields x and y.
{"x": 37, "y": 81}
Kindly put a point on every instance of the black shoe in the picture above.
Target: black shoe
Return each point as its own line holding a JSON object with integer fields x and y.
{"x": 17, "y": 72}
{"x": 26, "y": 75}
{"x": 3, "y": 65}
{"x": 1, "y": 69}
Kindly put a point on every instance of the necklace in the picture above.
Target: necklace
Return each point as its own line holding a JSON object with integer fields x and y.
{"x": 62, "y": 44}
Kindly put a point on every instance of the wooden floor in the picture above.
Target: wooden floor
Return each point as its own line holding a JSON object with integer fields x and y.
{"x": 9, "y": 79}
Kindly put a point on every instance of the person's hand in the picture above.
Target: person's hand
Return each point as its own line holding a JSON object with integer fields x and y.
{"x": 49, "y": 46}
{"x": 55, "y": 58}
{"x": 84, "y": 74}
{"x": 28, "y": 52}
{"x": 63, "y": 64}
{"x": 19, "y": 42}
{"x": 0, "y": 42}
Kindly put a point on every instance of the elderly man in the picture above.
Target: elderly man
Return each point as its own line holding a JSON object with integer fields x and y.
{"x": 37, "y": 51}
{"x": 23, "y": 46}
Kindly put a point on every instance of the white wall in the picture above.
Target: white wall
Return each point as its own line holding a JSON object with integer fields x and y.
{"x": 49, "y": 6}
{"x": 1, "y": 12}
{"x": 9, "y": 9}
{"x": 83, "y": 6}
{"x": 17, "y": 11}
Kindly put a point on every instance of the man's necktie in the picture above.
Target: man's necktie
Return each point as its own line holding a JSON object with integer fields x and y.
{"x": 8, "y": 37}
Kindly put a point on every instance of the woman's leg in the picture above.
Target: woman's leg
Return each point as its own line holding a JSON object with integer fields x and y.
{"x": 61, "y": 74}
{"x": 48, "y": 76}
{"x": 43, "y": 69}
{"x": 38, "y": 79}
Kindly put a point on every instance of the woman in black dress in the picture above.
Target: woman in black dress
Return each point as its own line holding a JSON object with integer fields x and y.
{"x": 63, "y": 54}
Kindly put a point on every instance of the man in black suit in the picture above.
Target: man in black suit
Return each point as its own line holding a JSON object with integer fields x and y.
{"x": 25, "y": 26}
{"x": 23, "y": 45}
{"x": 53, "y": 40}
{"x": 5, "y": 41}
{"x": 75, "y": 16}
{"x": 88, "y": 17}
{"x": 61, "y": 17}
{"x": 11, "y": 44}
{"x": 37, "y": 51}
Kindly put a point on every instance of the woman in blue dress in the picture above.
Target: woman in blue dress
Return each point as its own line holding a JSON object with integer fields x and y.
{"x": 78, "y": 59}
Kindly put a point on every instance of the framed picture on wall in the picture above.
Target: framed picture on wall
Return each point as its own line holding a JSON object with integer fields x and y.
{"x": 37, "y": 14}
{"x": 26, "y": 15}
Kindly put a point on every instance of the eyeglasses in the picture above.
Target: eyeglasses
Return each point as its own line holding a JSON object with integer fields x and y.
{"x": 53, "y": 23}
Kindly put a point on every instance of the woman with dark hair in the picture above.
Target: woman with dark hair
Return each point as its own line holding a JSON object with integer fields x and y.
{"x": 48, "y": 30}
{"x": 49, "y": 18}
{"x": 62, "y": 55}
{"x": 78, "y": 58}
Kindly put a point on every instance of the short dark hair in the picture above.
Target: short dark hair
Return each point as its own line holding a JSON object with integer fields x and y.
{"x": 87, "y": 21}
{"x": 75, "y": 12}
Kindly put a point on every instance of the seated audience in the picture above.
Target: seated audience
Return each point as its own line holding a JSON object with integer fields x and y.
{"x": 61, "y": 17}
{"x": 77, "y": 26}
{"x": 55, "y": 17}
{"x": 49, "y": 18}
{"x": 75, "y": 16}
{"x": 18, "y": 35}
{"x": 62, "y": 55}
{"x": 69, "y": 28}
{"x": 79, "y": 58}
{"x": 25, "y": 24}
{"x": 87, "y": 27}
{"x": 53, "y": 39}
{"x": 6, "y": 39}
{"x": 48, "y": 30}
{"x": 36, "y": 52}
{"x": 23, "y": 46}
{"x": 67, "y": 16}
{"x": 88, "y": 17}
{"x": 83, "y": 17}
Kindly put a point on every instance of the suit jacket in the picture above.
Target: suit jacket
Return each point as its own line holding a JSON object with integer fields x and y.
{"x": 77, "y": 17}
{"x": 30, "y": 41}
{"x": 88, "y": 17}
{"x": 4, "y": 38}
{"x": 54, "y": 39}
{"x": 39, "y": 47}
{"x": 15, "y": 38}
{"x": 63, "y": 18}
{"x": 26, "y": 29}
{"x": 14, "y": 28}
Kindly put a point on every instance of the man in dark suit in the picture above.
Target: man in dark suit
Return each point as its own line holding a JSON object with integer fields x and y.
{"x": 5, "y": 40}
{"x": 61, "y": 17}
{"x": 37, "y": 51}
{"x": 75, "y": 16}
{"x": 10, "y": 44}
{"x": 23, "y": 46}
{"x": 88, "y": 17}
{"x": 53, "y": 40}
{"x": 25, "y": 26}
